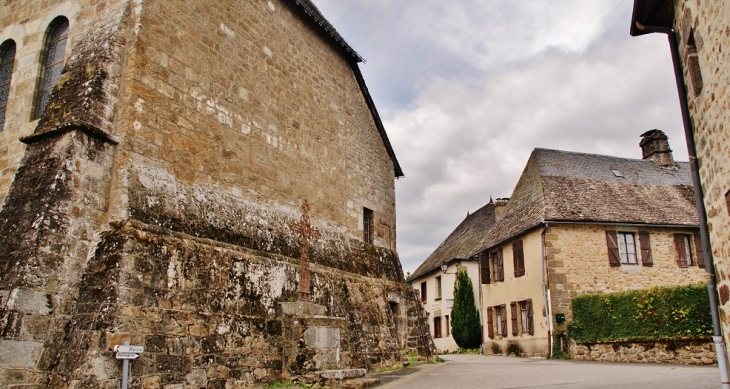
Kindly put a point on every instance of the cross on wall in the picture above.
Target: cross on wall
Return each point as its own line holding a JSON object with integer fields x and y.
{"x": 306, "y": 233}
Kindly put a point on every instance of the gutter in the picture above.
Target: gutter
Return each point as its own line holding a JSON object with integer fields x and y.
{"x": 699, "y": 203}
{"x": 546, "y": 291}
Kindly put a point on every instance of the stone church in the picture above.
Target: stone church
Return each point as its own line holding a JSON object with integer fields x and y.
{"x": 166, "y": 169}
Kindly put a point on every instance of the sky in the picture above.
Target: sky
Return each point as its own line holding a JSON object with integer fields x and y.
{"x": 467, "y": 89}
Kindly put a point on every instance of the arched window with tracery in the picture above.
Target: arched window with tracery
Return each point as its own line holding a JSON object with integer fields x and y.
{"x": 53, "y": 56}
{"x": 7, "y": 59}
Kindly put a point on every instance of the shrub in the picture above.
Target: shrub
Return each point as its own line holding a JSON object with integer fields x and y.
{"x": 464, "y": 317}
{"x": 656, "y": 313}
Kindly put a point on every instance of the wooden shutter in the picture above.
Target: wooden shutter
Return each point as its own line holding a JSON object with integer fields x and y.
{"x": 645, "y": 245}
{"x": 530, "y": 322}
{"x": 513, "y": 306}
{"x": 681, "y": 253}
{"x": 700, "y": 251}
{"x": 613, "y": 256}
{"x": 424, "y": 297}
{"x": 504, "y": 320}
{"x": 484, "y": 265}
{"x": 518, "y": 258}
{"x": 499, "y": 269}
{"x": 490, "y": 322}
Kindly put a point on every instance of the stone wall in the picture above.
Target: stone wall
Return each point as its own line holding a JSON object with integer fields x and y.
{"x": 577, "y": 261}
{"x": 154, "y": 199}
{"x": 708, "y": 23}
{"x": 680, "y": 351}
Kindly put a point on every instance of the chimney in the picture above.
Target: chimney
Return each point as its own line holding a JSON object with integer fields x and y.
{"x": 499, "y": 206}
{"x": 655, "y": 146}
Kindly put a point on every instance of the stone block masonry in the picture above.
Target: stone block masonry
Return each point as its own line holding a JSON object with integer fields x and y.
{"x": 677, "y": 351}
{"x": 152, "y": 201}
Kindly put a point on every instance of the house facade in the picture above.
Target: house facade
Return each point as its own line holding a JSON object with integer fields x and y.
{"x": 582, "y": 223}
{"x": 698, "y": 34}
{"x": 434, "y": 279}
{"x": 156, "y": 163}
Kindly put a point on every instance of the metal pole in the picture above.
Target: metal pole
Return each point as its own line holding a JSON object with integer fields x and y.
{"x": 125, "y": 369}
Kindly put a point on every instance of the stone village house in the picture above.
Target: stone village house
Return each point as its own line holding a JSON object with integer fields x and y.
{"x": 155, "y": 157}
{"x": 583, "y": 223}
{"x": 435, "y": 286}
{"x": 699, "y": 33}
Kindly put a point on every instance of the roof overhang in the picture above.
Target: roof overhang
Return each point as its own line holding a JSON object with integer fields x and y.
{"x": 655, "y": 13}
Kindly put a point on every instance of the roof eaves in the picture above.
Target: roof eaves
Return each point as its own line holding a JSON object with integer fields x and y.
{"x": 316, "y": 16}
{"x": 655, "y": 13}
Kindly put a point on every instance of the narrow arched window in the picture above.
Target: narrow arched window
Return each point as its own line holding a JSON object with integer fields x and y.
{"x": 7, "y": 59}
{"x": 52, "y": 62}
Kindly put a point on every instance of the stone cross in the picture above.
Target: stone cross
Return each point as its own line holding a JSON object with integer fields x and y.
{"x": 306, "y": 233}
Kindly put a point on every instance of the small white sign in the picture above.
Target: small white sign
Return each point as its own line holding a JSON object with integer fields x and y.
{"x": 127, "y": 356}
{"x": 128, "y": 349}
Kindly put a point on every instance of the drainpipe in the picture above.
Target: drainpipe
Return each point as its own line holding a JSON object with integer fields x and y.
{"x": 546, "y": 293}
{"x": 701, "y": 212}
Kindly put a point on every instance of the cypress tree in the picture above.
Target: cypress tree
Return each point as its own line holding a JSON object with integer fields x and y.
{"x": 464, "y": 317}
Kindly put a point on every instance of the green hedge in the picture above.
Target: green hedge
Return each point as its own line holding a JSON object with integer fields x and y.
{"x": 656, "y": 313}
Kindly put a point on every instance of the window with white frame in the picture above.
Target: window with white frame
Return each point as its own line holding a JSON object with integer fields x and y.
{"x": 627, "y": 248}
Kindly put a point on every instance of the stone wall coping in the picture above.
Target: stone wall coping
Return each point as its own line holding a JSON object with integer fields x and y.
{"x": 644, "y": 340}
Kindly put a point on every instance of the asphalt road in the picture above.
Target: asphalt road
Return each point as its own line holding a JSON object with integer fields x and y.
{"x": 492, "y": 372}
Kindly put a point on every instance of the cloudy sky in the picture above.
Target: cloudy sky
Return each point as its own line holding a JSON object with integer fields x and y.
{"x": 468, "y": 88}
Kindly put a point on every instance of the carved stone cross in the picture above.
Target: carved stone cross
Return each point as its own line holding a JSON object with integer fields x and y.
{"x": 306, "y": 233}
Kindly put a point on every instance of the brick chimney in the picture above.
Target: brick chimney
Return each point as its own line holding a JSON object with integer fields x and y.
{"x": 655, "y": 146}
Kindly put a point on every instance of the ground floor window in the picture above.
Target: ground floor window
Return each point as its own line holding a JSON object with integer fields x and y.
{"x": 437, "y": 327}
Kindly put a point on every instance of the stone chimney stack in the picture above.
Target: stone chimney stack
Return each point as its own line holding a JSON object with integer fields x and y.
{"x": 655, "y": 146}
{"x": 499, "y": 206}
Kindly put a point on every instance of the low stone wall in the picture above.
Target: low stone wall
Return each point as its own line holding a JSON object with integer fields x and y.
{"x": 680, "y": 351}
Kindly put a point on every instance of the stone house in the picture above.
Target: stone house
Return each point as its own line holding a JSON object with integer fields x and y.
{"x": 583, "y": 223}
{"x": 434, "y": 279}
{"x": 698, "y": 35}
{"x": 155, "y": 160}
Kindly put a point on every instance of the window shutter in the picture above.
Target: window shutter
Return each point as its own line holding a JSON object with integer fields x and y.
{"x": 530, "y": 324}
{"x": 504, "y": 320}
{"x": 484, "y": 264}
{"x": 518, "y": 258}
{"x": 679, "y": 245}
{"x": 500, "y": 270}
{"x": 612, "y": 241}
{"x": 513, "y": 306}
{"x": 700, "y": 251}
{"x": 645, "y": 245}
{"x": 490, "y": 322}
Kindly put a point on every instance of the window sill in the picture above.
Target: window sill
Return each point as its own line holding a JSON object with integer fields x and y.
{"x": 437, "y": 299}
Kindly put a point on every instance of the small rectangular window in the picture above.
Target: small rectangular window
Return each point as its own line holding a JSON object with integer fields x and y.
{"x": 448, "y": 330}
{"x": 436, "y": 327}
{"x": 497, "y": 266}
{"x": 518, "y": 259}
{"x": 438, "y": 287}
{"x": 627, "y": 248}
{"x": 423, "y": 291}
{"x": 684, "y": 250}
{"x": 367, "y": 226}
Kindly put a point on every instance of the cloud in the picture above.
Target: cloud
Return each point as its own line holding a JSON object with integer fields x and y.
{"x": 468, "y": 89}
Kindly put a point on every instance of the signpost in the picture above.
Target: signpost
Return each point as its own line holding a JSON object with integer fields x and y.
{"x": 126, "y": 352}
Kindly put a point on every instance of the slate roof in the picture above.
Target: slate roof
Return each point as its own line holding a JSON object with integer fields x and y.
{"x": 461, "y": 242}
{"x": 563, "y": 186}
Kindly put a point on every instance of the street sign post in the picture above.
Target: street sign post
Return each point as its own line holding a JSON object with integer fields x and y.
{"x": 127, "y": 356}
{"x": 128, "y": 349}
{"x": 126, "y": 352}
